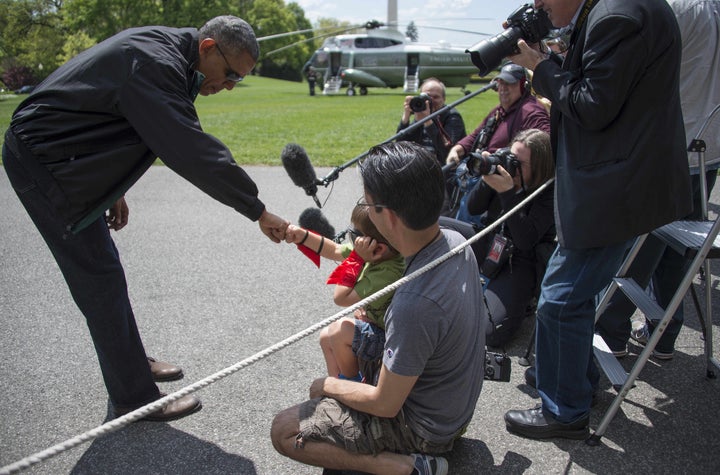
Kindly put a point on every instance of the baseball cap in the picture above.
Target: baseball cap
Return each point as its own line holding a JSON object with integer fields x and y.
{"x": 511, "y": 73}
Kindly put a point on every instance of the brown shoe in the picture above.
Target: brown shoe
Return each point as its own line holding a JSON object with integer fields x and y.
{"x": 162, "y": 371}
{"x": 184, "y": 406}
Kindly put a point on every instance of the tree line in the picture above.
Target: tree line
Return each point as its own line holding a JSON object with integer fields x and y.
{"x": 37, "y": 36}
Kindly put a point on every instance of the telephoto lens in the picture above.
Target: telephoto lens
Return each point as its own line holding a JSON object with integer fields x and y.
{"x": 417, "y": 103}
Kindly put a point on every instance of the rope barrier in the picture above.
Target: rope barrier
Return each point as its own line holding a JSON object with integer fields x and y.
{"x": 143, "y": 411}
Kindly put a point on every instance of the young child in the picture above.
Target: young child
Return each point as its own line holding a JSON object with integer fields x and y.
{"x": 368, "y": 265}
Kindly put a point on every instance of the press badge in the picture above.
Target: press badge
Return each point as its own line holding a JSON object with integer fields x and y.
{"x": 497, "y": 248}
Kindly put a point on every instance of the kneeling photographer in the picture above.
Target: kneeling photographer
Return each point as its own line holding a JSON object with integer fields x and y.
{"x": 513, "y": 257}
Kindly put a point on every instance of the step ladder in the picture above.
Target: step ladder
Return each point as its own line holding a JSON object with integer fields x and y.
{"x": 692, "y": 239}
{"x": 411, "y": 84}
{"x": 332, "y": 85}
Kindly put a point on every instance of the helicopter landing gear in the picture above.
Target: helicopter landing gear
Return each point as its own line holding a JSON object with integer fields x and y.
{"x": 350, "y": 91}
{"x": 363, "y": 91}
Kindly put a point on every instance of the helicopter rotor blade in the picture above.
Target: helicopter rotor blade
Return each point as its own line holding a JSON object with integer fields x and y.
{"x": 317, "y": 37}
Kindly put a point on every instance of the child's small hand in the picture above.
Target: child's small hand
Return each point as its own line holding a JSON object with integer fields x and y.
{"x": 294, "y": 234}
{"x": 364, "y": 246}
{"x": 361, "y": 314}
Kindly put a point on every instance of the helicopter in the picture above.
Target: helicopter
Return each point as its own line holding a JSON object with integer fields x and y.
{"x": 384, "y": 57}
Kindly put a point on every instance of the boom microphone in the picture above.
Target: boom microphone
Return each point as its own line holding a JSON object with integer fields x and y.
{"x": 314, "y": 220}
{"x": 300, "y": 170}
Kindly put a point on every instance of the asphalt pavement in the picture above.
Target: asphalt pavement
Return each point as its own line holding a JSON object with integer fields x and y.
{"x": 209, "y": 290}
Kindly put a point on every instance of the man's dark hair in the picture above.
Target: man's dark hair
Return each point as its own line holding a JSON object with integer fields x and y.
{"x": 233, "y": 33}
{"x": 406, "y": 178}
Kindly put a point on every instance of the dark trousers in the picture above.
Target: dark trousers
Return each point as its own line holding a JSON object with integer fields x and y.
{"x": 508, "y": 294}
{"x": 666, "y": 268}
{"x": 91, "y": 266}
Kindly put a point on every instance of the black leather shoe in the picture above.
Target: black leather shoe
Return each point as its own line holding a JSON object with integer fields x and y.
{"x": 531, "y": 377}
{"x": 533, "y": 424}
{"x": 162, "y": 371}
{"x": 184, "y": 406}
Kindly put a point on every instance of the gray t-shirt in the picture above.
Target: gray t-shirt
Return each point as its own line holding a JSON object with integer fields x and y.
{"x": 435, "y": 329}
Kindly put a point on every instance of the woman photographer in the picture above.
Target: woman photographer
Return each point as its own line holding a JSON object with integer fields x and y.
{"x": 513, "y": 257}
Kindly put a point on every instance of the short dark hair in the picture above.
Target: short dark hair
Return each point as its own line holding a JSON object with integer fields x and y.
{"x": 232, "y": 32}
{"x": 406, "y": 178}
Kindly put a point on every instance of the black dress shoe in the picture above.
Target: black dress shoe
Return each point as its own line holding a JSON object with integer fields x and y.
{"x": 533, "y": 424}
{"x": 531, "y": 377}
{"x": 162, "y": 371}
{"x": 184, "y": 406}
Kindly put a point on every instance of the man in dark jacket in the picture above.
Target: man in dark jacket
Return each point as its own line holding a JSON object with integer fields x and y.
{"x": 439, "y": 134}
{"x": 87, "y": 134}
{"x": 621, "y": 170}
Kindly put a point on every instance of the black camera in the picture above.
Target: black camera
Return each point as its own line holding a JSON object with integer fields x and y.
{"x": 417, "y": 103}
{"x": 478, "y": 165}
{"x": 525, "y": 22}
{"x": 497, "y": 366}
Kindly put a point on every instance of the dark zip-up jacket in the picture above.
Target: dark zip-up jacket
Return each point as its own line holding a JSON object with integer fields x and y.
{"x": 96, "y": 124}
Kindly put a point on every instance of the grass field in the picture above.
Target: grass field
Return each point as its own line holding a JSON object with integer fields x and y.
{"x": 261, "y": 115}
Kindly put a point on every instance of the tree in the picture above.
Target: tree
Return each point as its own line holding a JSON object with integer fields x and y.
{"x": 75, "y": 44}
{"x": 411, "y": 31}
{"x": 15, "y": 77}
{"x": 32, "y": 35}
{"x": 270, "y": 17}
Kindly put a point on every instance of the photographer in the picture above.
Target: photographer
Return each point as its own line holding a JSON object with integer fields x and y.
{"x": 518, "y": 110}
{"x": 527, "y": 237}
{"x": 438, "y": 134}
{"x": 618, "y": 142}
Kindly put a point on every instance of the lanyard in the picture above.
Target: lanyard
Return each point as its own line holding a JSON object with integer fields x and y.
{"x": 589, "y": 4}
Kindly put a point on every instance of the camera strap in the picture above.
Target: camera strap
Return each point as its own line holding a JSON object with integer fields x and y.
{"x": 447, "y": 142}
{"x": 589, "y": 4}
{"x": 483, "y": 137}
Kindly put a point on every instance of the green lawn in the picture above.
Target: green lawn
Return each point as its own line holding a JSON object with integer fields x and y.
{"x": 261, "y": 115}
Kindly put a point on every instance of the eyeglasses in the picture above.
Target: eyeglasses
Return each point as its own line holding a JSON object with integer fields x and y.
{"x": 352, "y": 234}
{"x": 364, "y": 204}
{"x": 230, "y": 74}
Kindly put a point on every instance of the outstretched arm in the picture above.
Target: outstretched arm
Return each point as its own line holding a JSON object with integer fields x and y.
{"x": 273, "y": 226}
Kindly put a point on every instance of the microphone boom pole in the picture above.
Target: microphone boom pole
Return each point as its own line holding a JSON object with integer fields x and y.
{"x": 335, "y": 173}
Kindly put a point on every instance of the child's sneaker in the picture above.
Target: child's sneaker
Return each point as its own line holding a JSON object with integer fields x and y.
{"x": 429, "y": 465}
{"x": 641, "y": 334}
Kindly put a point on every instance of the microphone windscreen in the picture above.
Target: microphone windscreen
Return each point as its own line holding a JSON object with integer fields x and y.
{"x": 314, "y": 220}
{"x": 298, "y": 166}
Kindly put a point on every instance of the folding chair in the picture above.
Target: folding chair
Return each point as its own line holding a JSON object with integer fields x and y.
{"x": 692, "y": 239}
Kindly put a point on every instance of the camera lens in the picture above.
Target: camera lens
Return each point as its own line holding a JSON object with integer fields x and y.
{"x": 417, "y": 103}
{"x": 488, "y": 54}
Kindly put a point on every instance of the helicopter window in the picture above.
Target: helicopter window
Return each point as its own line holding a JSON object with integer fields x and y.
{"x": 374, "y": 42}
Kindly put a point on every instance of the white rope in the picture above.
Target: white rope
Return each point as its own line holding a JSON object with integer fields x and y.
{"x": 143, "y": 411}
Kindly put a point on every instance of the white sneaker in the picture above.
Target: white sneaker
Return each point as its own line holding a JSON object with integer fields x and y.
{"x": 641, "y": 334}
{"x": 429, "y": 465}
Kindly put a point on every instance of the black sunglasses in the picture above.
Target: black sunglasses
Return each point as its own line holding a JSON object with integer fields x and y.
{"x": 230, "y": 74}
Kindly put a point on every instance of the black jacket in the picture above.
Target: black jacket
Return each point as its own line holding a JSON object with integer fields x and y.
{"x": 454, "y": 126}
{"x": 530, "y": 226}
{"x": 96, "y": 124}
{"x": 616, "y": 125}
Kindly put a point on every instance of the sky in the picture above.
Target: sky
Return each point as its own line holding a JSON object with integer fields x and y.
{"x": 476, "y": 16}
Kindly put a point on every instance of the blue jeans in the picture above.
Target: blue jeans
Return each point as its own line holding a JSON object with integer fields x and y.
{"x": 91, "y": 266}
{"x": 566, "y": 373}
